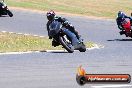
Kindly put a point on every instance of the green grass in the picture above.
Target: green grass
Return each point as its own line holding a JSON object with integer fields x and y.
{"x": 19, "y": 43}
{"x": 14, "y": 42}
{"x": 99, "y": 8}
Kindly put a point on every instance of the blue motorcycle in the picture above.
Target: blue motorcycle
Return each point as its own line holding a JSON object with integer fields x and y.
{"x": 4, "y": 10}
{"x": 65, "y": 37}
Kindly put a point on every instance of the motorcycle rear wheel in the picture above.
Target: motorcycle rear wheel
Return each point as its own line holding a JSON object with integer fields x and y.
{"x": 82, "y": 48}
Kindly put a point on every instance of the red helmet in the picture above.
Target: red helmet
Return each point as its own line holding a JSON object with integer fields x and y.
{"x": 50, "y": 15}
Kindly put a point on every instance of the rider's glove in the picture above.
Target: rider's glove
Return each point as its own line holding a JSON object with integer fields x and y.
{"x": 66, "y": 23}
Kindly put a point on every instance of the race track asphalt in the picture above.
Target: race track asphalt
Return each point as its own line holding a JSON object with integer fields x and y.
{"x": 58, "y": 69}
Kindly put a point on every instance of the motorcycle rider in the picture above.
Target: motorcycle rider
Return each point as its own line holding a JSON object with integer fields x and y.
{"x": 1, "y": 7}
{"x": 120, "y": 18}
{"x": 1, "y": 4}
{"x": 52, "y": 16}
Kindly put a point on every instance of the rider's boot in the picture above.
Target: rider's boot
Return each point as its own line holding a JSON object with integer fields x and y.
{"x": 122, "y": 32}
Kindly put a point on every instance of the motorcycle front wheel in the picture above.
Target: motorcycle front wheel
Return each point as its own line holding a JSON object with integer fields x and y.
{"x": 9, "y": 13}
{"x": 66, "y": 44}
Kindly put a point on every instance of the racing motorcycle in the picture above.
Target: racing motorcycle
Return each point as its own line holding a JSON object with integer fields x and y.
{"x": 4, "y": 9}
{"x": 127, "y": 27}
{"x": 65, "y": 37}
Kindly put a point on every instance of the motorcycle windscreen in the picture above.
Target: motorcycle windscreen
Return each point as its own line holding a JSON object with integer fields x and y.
{"x": 54, "y": 28}
{"x": 127, "y": 25}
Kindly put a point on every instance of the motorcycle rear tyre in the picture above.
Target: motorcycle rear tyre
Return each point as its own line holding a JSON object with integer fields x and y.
{"x": 82, "y": 48}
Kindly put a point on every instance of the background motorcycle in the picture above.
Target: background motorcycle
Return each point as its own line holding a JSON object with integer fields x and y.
{"x": 65, "y": 37}
{"x": 127, "y": 27}
{"x": 4, "y": 10}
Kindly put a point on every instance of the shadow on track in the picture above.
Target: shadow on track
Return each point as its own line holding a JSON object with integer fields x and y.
{"x": 120, "y": 40}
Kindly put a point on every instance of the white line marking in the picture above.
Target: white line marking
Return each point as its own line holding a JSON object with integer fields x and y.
{"x": 95, "y": 46}
{"x": 110, "y": 86}
{"x": 19, "y": 33}
{"x": 4, "y": 31}
{"x": 26, "y": 34}
{"x": 56, "y": 51}
{"x": 11, "y": 32}
{"x": 41, "y": 36}
{"x": 35, "y": 35}
{"x": 8, "y": 53}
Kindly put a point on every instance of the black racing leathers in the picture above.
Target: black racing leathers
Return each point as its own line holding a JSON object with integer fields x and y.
{"x": 65, "y": 23}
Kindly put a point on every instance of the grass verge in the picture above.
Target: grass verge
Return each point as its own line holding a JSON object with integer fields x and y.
{"x": 12, "y": 42}
{"x": 99, "y": 8}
